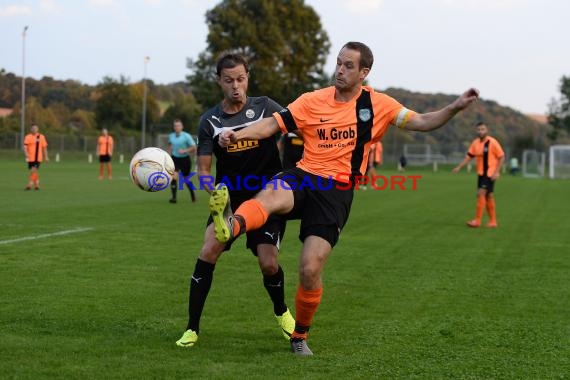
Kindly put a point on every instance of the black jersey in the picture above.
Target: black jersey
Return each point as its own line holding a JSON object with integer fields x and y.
{"x": 243, "y": 166}
{"x": 292, "y": 149}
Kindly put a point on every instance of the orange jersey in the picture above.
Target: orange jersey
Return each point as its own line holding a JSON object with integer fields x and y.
{"x": 105, "y": 145}
{"x": 338, "y": 135}
{"x": 35, "y": 145}
{"x": 487, "y": 153}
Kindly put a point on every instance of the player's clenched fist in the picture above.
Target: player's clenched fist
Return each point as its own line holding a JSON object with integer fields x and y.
{"x": 227, "y": 137}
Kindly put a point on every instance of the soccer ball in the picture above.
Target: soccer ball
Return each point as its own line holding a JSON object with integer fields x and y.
{"x": 152, "y": 169}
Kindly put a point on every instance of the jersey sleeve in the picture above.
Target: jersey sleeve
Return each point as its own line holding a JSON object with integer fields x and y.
{"x": 272, "y": 107}
{"x": 43, "y": 142}
{"x": 497, "y": 149}
{"x": 392, "y": 111}
{"x": 205, "y": 138}
{"x": 388, "y": 111}
{"x": 292, "y": 118}
{"x": 471, "y": 150}
{"x": 191, "y": 141}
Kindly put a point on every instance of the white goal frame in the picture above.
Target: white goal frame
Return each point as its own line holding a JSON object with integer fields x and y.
{"x": 541, "y": 163}
{"x": 556, "y": 162}
{"x": 418, "y": 154}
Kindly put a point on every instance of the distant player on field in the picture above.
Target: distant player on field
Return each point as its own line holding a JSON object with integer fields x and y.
{"x": 489, "y": 157}
{"x": 181, "y": 145}
{"x": 338, "y": 125}
{"x": 35, "y": 149}
{"x": 252, "y": 159}
{"x": 105, "y": 152}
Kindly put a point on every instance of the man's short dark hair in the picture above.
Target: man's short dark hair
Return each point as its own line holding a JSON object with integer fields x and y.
{"x": 366, "y": 56}
{"x": 480, "y": 123}
{"x": 229, "y": 61}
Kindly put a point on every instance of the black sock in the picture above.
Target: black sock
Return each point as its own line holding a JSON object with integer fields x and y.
{"x": 301, "y": 329}
{"x": 275, "y": 286}
{"x": 200, "y": 284}
{"x": 192, "y": 195}
{"x": 173, "y": 188}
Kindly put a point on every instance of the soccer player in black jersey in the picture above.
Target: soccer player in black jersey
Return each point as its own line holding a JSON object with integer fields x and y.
{"x": 243, "y": 167}
{"x": 291, "y": 149}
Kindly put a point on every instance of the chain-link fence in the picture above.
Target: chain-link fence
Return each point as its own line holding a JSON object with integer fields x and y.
{"x": 73, "y": 143}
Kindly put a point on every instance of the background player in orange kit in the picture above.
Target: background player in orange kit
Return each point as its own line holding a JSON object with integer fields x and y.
{"x": 105, "y": 152}
{"x": 489, "y": 157}
{"x": 35, "y": 149}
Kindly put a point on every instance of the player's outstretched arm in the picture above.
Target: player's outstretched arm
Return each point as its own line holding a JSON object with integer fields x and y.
{"x": 257, "y": 131}
{"x": 461, "y": 164}
{"x": 426, "y": 122}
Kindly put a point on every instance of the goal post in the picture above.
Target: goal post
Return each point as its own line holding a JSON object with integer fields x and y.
{"x": 533, "y": 163}
{"x": 559, "y": 161}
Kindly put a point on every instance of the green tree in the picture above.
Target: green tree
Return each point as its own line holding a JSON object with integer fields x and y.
{"x": 152, "y": 106}
{"x": 559, "y": 110}
{"x": 115, "y": 106}
{"x": 82, "y": 120}
{"x": 187, "y": 109}
{"x": 283, "y": 40}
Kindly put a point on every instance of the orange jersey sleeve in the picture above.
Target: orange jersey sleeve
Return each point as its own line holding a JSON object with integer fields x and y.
{"x": 338, "y": 135}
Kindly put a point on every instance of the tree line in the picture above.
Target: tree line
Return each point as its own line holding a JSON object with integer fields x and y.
{"x": 68, "y": 106}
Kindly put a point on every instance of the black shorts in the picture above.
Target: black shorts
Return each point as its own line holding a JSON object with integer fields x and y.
{"x": 34, "y": 164}
{"x": 182, "y": 164}
{"x": 104, "y": 158}
{"x": 321, "y": 206}
{"x": 484, "y": 182}
{"x": 271, "y": 232}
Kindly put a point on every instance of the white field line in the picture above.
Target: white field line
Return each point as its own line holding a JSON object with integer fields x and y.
{"x": 60, "y": 233}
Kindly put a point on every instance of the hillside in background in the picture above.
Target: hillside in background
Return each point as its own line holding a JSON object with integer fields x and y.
{"x": 512, "y": 128}
{"x": 63, "y": 102}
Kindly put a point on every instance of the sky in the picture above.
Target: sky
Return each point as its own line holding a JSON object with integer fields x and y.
{"x": 514, "y": 51}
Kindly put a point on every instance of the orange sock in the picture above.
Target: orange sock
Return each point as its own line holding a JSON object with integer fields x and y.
{"x": 491, "y": 210}
{"x": 34, "y": 177}
{"x": 254, "y": 215}
{"x": 481, "y": 201}
{"x": 306, "y": 303}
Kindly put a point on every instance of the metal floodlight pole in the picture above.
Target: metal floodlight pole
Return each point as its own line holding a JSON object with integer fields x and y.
{"x": 23, "y": 105}
{"x": 143, "y": 127}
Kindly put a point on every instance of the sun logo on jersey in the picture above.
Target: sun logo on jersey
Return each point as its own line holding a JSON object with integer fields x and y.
{"x": 242, "y": 145}
{"x": 250, "y": 114}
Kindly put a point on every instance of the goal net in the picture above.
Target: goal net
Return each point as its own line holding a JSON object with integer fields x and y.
{"x": 559, "y": 161}
{"x": 533, "y": 163}
{"x": 418, "y": 154}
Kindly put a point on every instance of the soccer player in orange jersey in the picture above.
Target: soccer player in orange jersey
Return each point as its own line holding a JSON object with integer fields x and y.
{"x": 489, "y": 157}
{"x": 338, "y": 125}
{"x": 35, "y": 149}
{"x": 105, "y": 152}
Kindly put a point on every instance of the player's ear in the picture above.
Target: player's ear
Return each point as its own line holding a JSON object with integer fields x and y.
{"x": 364, "y": 73}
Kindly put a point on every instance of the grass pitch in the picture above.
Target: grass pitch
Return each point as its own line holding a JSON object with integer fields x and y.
{"x": 410, "y": 292}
